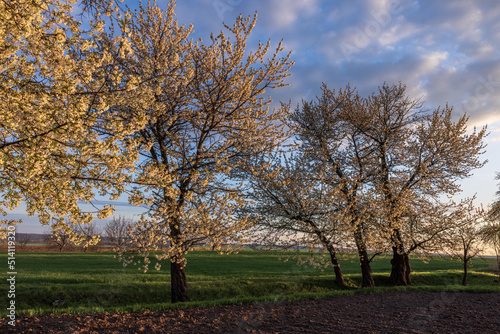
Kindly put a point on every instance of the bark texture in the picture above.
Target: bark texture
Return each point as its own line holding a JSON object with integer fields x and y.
{"x": 400, "y": 261}
{"x": 178, "y": 282}
{"x": 339, "y": 276}
{"x": 464, "y": 279}
{"x": 398, "y": 273}
{"x": 407, "y": 268}
{"x": 366, "y": 270}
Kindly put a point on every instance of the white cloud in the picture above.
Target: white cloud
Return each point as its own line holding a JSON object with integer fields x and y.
{"x": 397, "y": 33}
{"x": 286, "y": 13}
{"x": 432, "y": 61}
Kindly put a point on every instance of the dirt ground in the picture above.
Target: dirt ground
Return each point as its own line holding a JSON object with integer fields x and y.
{"x": 390, "y": 312}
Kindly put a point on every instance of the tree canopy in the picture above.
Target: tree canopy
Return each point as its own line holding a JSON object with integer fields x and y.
{"x": 205, "y": 114}
{"x": 54, "y": 94}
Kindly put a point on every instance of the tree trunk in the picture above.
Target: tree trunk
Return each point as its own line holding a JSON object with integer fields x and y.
{"x": 464, "y": 279}
{"x": 466, "y": 262}
{"x": 178, "y": 279}
{"x": 339, "y": 276}
{"x": 398, "y": 272}
{"x": 407, "y": 268}
{"x": 366, "y": 270}
{"x": 178, "y": 282}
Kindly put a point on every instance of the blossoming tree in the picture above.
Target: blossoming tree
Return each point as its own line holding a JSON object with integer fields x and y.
{"x": 206, "y": 115}
{"x": 53, "y": 93}
{"x": 292, "y": 207}
{"x": 341, "y": 157}
{"x": 418, "y": 155}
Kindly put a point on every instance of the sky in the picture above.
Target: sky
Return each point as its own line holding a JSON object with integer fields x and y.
{"x": 445, "y": 52}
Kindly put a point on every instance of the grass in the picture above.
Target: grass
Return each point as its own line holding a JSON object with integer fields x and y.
{"x": 96, "y": 282}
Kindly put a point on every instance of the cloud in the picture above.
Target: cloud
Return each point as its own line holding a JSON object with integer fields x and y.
{"x": 287, "y": 13}
{"x": 397, "y": 33}
{"x": 439, "y": 49}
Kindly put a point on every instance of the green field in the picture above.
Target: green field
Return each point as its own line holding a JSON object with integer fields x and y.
{"x": 96, "y": 282}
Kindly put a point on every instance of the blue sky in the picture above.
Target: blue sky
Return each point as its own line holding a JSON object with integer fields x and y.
{"x": 444, "y": 51}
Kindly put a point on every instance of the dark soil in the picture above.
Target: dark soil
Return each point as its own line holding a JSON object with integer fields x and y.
{"x": 390, "y": 312}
